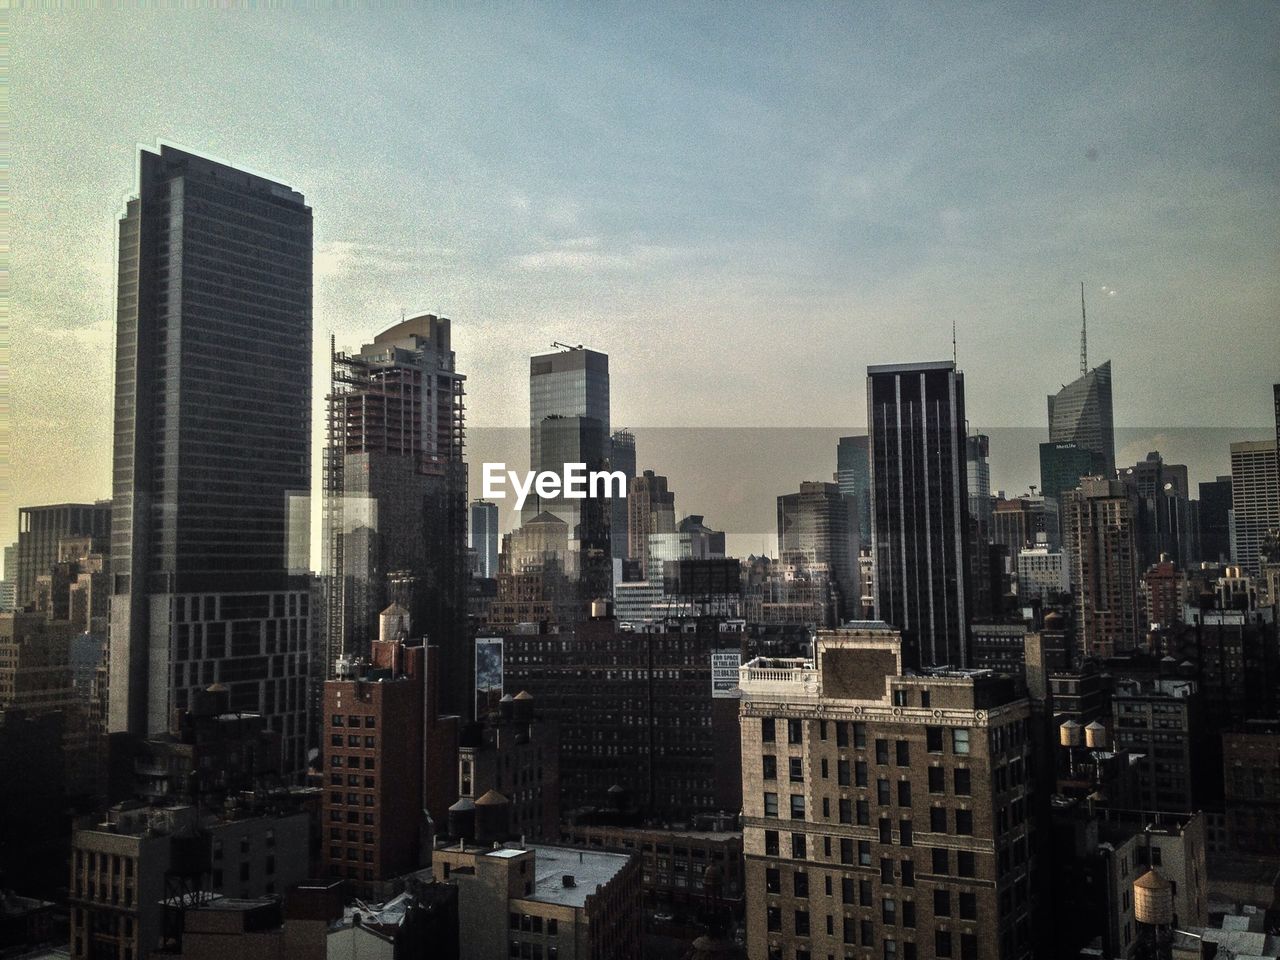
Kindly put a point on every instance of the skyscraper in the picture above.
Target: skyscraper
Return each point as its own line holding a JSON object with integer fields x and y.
{"x": 1099, "y": 521}
{"x": 651, "y": 509}
{"x": 396, "y": 495}
{"x": 571, "y": 383}
{"x": 1255, "y": 499}
{"x": 212, "y": 446}
{"x": 853, "y": 475}
{"x": 484, "y": 537}
{"x": 813, "y": 534}
{"x": 622, "y": 456}
{"x": 40, "y": 529}
{"x": 1215, "y": 520}
{"x": 920, "y": 516}
{"x": 1080, "y": 413}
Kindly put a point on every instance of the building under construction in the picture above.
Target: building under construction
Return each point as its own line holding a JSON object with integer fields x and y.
{"x": 395, "y": 484}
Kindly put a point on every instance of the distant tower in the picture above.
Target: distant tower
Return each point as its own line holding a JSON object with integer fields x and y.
{"x": 622, "y": 456}
{"x": 484, "y": 538}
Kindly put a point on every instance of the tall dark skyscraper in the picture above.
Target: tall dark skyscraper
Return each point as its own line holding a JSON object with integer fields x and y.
{"x": 853, "y": 476}
{"x": 483, "y": 533}
{"x": 1080, "y": 413}
{"x": 622, "y": 456}
{"x": 1215, "y": 519}
{"x": 920, "y": 517}
{"x": 212, "y": 446}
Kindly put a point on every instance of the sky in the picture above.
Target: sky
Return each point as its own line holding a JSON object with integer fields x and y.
{"x": 744, "y": 205}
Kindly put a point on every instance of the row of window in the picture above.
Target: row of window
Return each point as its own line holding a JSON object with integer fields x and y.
{"x": 940, "y": 863}
{"x": 857, "y": 732}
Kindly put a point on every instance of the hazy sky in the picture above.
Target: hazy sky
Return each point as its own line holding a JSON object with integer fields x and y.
{"x": 742, "y": 205}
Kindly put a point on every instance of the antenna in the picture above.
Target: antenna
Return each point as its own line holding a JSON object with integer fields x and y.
{"x": 1084, "y": 335}
{"x": 565, "y": 346}
{"x": 953, "y": 340}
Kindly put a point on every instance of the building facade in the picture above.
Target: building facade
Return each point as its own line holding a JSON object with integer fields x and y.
{"x": 920, "y": 524}
{"x": 484, "y": 536}
{"x": 212, "y": 447}
{"x": 1101, "y": 547}
{"x": 1081, "y": 413}
{"x": 1255, "y": 499}
{"x": 886, "y": 812}
{"x": 41, "y": 529}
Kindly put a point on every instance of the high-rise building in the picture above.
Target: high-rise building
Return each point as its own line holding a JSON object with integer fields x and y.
{"x": 651, "y": 509}
{"x": 1164, "y": 519}
{"x": 813, "y": 535}
{"x": 622, "y": 456}
{"x": 571, "y": 383}
{"x": 212, "y": 447}
{"x": 1215, "y": 520}
{"x": 484, "y": 537}
{"x": 920, "y": 522}
{"x": 853, "y": 475}
{"x": 396, "y": 495}
{"x": 978, "y": 472}
{"x": 1080, "y": 413}
{"x": 887, "y": 812}
{"x": 1101, "y": 547}
{"x": 9, "y": 583}
{"x": 40, "y": 529}
{"x": 1255, "y": 499}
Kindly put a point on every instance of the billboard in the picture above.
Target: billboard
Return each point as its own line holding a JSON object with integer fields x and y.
{"x": 488, "y": 674}
{"x": 724, "y": 673}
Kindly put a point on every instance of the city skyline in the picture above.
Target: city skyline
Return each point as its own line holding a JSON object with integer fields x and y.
{"x": 1124, "y": 179}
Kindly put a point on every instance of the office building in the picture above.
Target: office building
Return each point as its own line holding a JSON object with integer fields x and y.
{"x": 484, "y": 538}
{"x": 1255, "y": 500}
{"x": 1063, "y": 464}
{"x": 212, "y": 447}
{"x": 978, "y": 471}
{"x": 853, "y": 477}
{"x": 543, "y": 901}
{"x": 1042, "y": 574}
{"x": 886, "y": 811}
{"x": 1160, "y": 722}
{"x": 1023, "y": 521}
{"x": 1101, "y": 547}
{"x": 573, "y": 382}
{"x": 638, "y": 709}
{"x": 1251, "y": 777}
{"x": 1080, "y": 413}
{"x": 622, "y": 456}
{"x": 1214, "y": 518}
{"x": 814, "y": 535}
{"x": 40, "y": 529}
{"x": 651, "y": 509}
{"x": 9, "y": 584}
{"x": 396, "y": 495}
{"x": 916, "y": 421}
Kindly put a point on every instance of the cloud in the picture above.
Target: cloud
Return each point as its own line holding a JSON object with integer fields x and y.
{"x": 340, "y": 259}
{"x": 584, "y": 254}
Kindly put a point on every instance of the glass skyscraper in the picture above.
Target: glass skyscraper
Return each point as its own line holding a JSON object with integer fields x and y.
{"x": 571, "y": 383}
{"x": 1080, "y": 413}
{"x": 212, "y": 444}
{"x": 920, "y": 522}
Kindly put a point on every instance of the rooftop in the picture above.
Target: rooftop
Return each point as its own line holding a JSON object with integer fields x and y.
{"x": 590, "y": 869}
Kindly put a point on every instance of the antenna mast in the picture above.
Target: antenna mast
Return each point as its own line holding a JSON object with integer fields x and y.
{"x": 1084, "y": 335}
{"x": 953, "y": 340}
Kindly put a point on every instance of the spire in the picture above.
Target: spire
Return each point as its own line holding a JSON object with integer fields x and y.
{"x": 953, "y": 340}
{"x": 1084, "y": 335}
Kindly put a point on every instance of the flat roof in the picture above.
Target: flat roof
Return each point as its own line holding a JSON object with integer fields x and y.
{"x": 911, "y": 367}
{"x": 589, "y": 869}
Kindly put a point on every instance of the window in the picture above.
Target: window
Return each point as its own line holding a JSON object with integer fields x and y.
{"x": 842, "y": 772}
{"x": 842, "y": 734}
{"x": 890, "y": 949}
{"x": 908, "y": 873}
{"x": 772, "y": 880}
{"x": 937, "y": 780}
{"x": 942, "y": 903}
{"x": 773, "y": 919}
{"x": 864, "y": 852}
{"x": 886, "y": 872}
{"x": 770, "y": 767}
{"x": 846, "y": 810}
{"x": 882, "y": 751}
{"x": 899, "y": 698}
{"x": 904, "y": 793}
{"x": 959, "y": 745}
{"x": 964, "y": 823}
{"x": 937, "y": 819}
{"x": 336, "y": 720}
{"x": 886, "y": 830}
{"x": 908, "y": 913}
{"x": 797, "y": 806}
{"x": 766, "y": 730}
{"x": 882, "y": 792}
{"x": 860, "y": 736}
{"x": 846, "y": 890}
{"x": 925, "y": 700}
{"x": 846, "y": 850}
{"x": 822, "y": 729}
{"x": 864, "y": 813}
{"x": 771, "y": 843}
{"x": 965, "y": 865}
{"x": 825, "y": 774}
{"x": 800, "y": 883}
{"x": 868, "y": 931}
{"x": 941, "y": 861}
{"x": 962, "y": 781}
{"x": 904, "y": 832}
{"x": 770, "y": 804}
{"x": 968, "y": 906}
{"x": 860, "y": 773}
{"x": 902, "y": 753}
{"x": 798, "y": 846}
{"x": 802, "y": 923}
{"x": 889, "y": 911}
{"x": 969, "y": 946}
{"x": 933, "y": 739}
{"x": 942, "y": 943}
{"x": 795, "y": 731}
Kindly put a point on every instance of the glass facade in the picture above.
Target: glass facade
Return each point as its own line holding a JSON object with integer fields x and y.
{"x": 1080, "y": 413}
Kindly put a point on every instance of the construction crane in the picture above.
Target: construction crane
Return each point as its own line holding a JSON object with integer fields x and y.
{"x": 565, "y": 346}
